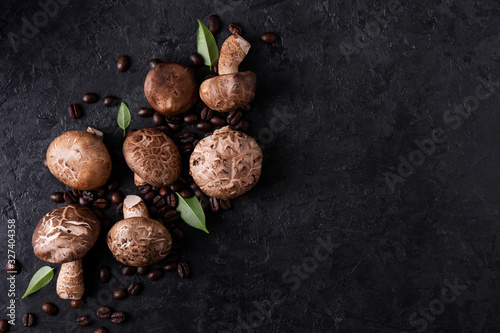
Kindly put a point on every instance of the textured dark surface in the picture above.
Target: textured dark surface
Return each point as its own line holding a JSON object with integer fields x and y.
{"x": 355, "y": 115}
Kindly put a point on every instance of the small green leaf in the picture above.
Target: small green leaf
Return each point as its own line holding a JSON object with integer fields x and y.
{"x": 206, "y": 45}
{"x": 39, "y": 280}
{"x": 123, "y": 118}
{"x": 191, "y": 212}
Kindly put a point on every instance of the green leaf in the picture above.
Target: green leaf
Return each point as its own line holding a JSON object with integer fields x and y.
{"x": 39, "y": 280}
{"x": 206, "y": 45}
{"x": 123, "y": 118}
{"x": 191, "y": 212}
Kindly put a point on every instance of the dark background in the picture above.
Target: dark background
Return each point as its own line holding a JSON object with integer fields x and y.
{"x": 356, "y": 100}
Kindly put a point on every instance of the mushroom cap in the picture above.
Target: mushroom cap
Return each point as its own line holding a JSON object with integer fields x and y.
{"x": 171, "y": 88}
{"x": 153, "y": 156}
{"x": 226, "y": 164}
{"x": 65, "y": 234}
{"x": 139, "y": 241}
{"x": 228, "y": 92}
{"x": 80, "y": 160}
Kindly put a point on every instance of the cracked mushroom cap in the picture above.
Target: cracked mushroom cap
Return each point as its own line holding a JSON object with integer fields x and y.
{"x": 65, "y": 234}
{"x": 226, "y": 164}
{"x": 139, "y": 241}
{"x": 80, "y": 160}
{"x": 153, "y": 156}
{"x": 171, "y": 88}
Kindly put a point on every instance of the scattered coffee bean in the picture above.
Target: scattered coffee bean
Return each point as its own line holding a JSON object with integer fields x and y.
{"x": 218, "y": 120}
{"x": 148, "y": 197}
{"x": 45, "y": 163}
{"x": 214, "y": 205}
{"x": 225, "y": 204}
{"x": 128, "y": 270}
{"x": 90, "y": 98}
{"x": 177, "y": 186}
{"x": 145, "y": 189}
{"x": 76, "y": 192}
{"x": 75, "y": 111}
{"x": 82, "y": 321}
{"x": 119, "y": 209}
{"x": 101, "y": 330}
{"x": 88, "y": 195}
{"x": 196, "y": 59}
{"x": 190, "y": 118}
{"x": 118, "y": 317}
{"x": 57, "y": 197}
{"x": 159, "y": 201}
{"x": 186, "y": 148}
{"x": 101, "y": 203}
{"x": 164, "y": 191}
{"x": 135, "y": 289}
{"x": 187, "y": 137}
{"x": 173, "y": 119}
{"x": 100, "y": 192}
{"x": 234, "y": 117}
{"x": 268, "y": 37}
{"x": 171, "y": 200}
{"x": 246, "y": 108}
{"x": 123, "y": 63}
{"x": 172, "y": 257}
{"x": 142, "y": 270}
{"x": 178, "y": 233}
{"x": 174, "y": 127}
{"x": 213, "y": 23}
{"x": 171, "y": 216}
{"x": 204, "y": 202}
{"x": 69, "y": 197}
{"x": 183, "y": 269}
{"x": 50, "y": 309}
{"x": 158, "y": 119}
{"x": 206, "y": 113}
{"x": 186, "y": 193}
{"x": 104, "y": 274}
{"x": 4, "y": 326}
{"x": 110, "y": 101}
{"x": 234, "y": 28}
{"x": 119, "y": 294}
{"x": 113, "y": 186}
{"x": 28, "y": 320}
{"x": 242, "y": 125}
{"x": 76, "y": 303}
{"x": 170, "y": 267}
{"x": 145, "y": 112}
{"x": 165, "y": 129}
{"x": 198, "y": 193}
{"x": 204, "y": 126}
{"x": 83, "y": 202}
{"x": 104, "y": 312}
{"x": 117, "y": 197}
{"x": 154, "y": 274}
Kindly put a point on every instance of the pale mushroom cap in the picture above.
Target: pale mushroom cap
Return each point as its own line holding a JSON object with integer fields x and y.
{"x": 228, "y": 92}
{"x": 171, "y": 88}
{"x": 153, "y": 156}
{"x": 65, "y": 234}
{"x": 80, "y": 160}
{"x": 139, "y": 241}
{"x": 226, "y": 164}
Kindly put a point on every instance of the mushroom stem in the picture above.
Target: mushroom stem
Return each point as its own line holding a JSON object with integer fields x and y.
{"x": 134, "y": 206}
{"x": 232, "y": 52}
{"x": 97, "y": 133}
{"x": 138, "y": 180}
{"x": 70, "y": 280}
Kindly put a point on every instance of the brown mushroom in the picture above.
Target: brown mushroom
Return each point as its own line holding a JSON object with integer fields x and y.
{"x": 153, "y": 157}
{"x": 80, "y": 159}
{"x": 171, "y": 88}
{"x": 138, "y": 240}
{"x": 230, "y": 90}
{"x": 63, "y": 236}
{"x": 226, "y": 164}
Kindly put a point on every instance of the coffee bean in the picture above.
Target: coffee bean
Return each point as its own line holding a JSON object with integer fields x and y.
{"x": 104, "y": 274}
{"x": 214, "y": 205}
{"x": 204, "y": 126}
{"x": 76, "y": 192}
{"x": 104, "y": 312}
{"x": 234, "y": 28}
{"x": 28, "y": 320}
{"x": 99, "y": 192}
{"x": 204, "y": 202}
{"x": 174, "y": 127}
{"x": 76, "y": 303}
{"x": 117, "y": 197}
{"x": 173, "y": 119}
{"x": 159, "y": 201}
{"x": 225, "y": 204}
{"x": 164, "y": 191}
{"x": 234, "y": 117}
{"x": 153, "y": 210}
{"x": 128, "y": 270}
{"x": 165, "y": 129}
{"x": 83, "y": 202}
{"x": 88, "y": 195}
{"x": 206, "y": 114}
{"x": 82, "y": 321}
{"x": 45, "y": 163}
{"x": 101, "y": 330}
{"x": 154, "y": 274}
{"x": 171, "y": 216}
{"x": 218, "y": 120}
{"x": 187, "y": 137}
{"x": 154, "y": 62}
{"x": 190, "y": 118}
{"x": 178, "y": 233}
{"x": 135, "y": 289}
{"x": 158, "y": 119}
{"x": 4, "y": 326}
{"x": 113, "y": 186}
{"x": 13, "y": 266}
{"x": 144, "y": 188}
{"x": 145, "y": 112}
{"x": 50, "y": 309}
{"x": 242, "y": 125}
{"x": 172, "y": 257}
{"x": 101, "y": 203}
{"x": 186, "y": 148}
{"x": 268, "y": 37}
{"x": 213, "y": 23}
{"x": 69, "y": 197}
{"x": 118, "y": 317}
{"x": 183, "y": 269}
{"x": 177, "y": 186}
{"x": 75, "y": 111}
{"x": 186, "y": 193}
{"x": 119, "y": 294}
{"x": 123, "y": 63}
{"x": 142, "y": 270}
{"x": 119, "y": 209}
{"x": 171, "y": 200}
{"x": 198, "y": 193}
{"x": 110, "y": 101}
{"x": 170, "y": 267}
{"x": 150, "y": 196}
{"x": 90, "y": 98}
{"x": 246, "y": 108}
{"x": 196, "y": 59}
{"x": 57, "y": 197}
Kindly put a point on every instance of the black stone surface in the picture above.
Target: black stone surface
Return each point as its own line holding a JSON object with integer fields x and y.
{"x": 364, "y": 84}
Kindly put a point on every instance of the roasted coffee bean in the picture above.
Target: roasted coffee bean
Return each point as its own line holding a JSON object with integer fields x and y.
{"x": 88, "y": 195}
{"x": 123, "y": 63}
{"x": 99, "y": 192}
{"x": 110, "y": 101}
{"x": 204, "y": 202}
{"x": 183, "y": 269}
{"x": 101, "y": 203}
{"x": 154, "y": 62}
{"x": 268, "y": 37}
{"x": 172, "y": 257}
{"x": 225, "y": 204}
{"x": 13, "y": 266}
{"x": 187, "y": 137}
{"x": 117, "y": 197}
{"x": 90, "y": 98}
{"x": 174, "y": 127}
{"x": 206, "y": 114}
{"x": 57, "y": 197}
{"x": 242, "y": 125}
{"x": 76, "y": 303}
{"x": 178, "y": 233}
{"x": 173, "y": 119}
{"x": 177, "y": 186}
{"x": 144, "y": 189}
{"x": 150, "y": 196}
{"x": 70, "y": 198}
{"x": 154, "y": 274}
{"x": 170, "y": 267}
{"x": 101, "y": 330}
{"x": 128, "y": 270}
{"x": 158, "y": 119}
{"x": 218, "y": 120}
{"x": 118, "y": 317}
{"x": 164, "y": 191}
{"x": 246, "y": 108}
{"x": 198, "y": 193}
{"x": 50, "y": 309}
{"x": 213, "y": 23}
{"x": 113, "y": 186}
{"x": 83, "y": 202}
{"x": 104, "y": 312}
{"x": 82, "y": 321}
{"x": 214, "y": 205}
{"x": 171, "y": 216}
{"x": 186, "y": 193}
{"x": 145, "y": 112}
{"x": 104, "y": 274}
{"x": 234, "y": 117}
{"x": 4, "y": 326}
{"x": 135, "y": 289}
{"x": 119, "y": 209}
{"x": 142, "y": 270}
{"x": 45, "y": 163}
{"x": 119, "y": 294}
{"x": 153, "y": 210}
{"x": 186, "y": 148}
{"x": 190, "y": 118}
{"x": 159, "y": 201}
{"x": 28, "y": 320}
{"x": 165, "y": 129}
{"x": 176, "y": 245}
{"x": 75, "y": 111}
{"x": 196, "y": 59}
{"x": 234, "y": 28}
{"x": 171, "y": 200}
{"x": 204, "y": 126}
{"x": 76, "y": 192}
{"x": 98, "y": 213}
